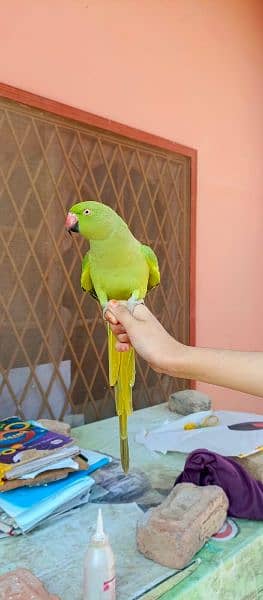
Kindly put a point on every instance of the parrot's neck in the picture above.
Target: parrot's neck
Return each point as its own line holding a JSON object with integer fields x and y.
{"x": 121, "y": 237}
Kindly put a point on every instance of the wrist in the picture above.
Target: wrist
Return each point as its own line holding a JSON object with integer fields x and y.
{"x": 181, "y": 360}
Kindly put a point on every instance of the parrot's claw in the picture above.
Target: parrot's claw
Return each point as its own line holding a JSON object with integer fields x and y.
{"x": 132, "y": 303}
{"x": 104, "y": 310}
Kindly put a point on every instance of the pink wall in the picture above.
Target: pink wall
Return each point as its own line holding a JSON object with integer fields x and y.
{"x": 187, "y": 70}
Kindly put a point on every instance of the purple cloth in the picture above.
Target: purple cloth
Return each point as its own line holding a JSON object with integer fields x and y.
{"x": 244, "y": 493}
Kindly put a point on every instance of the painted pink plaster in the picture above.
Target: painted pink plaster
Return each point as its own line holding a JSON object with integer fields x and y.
{"x": 188, "y": 70}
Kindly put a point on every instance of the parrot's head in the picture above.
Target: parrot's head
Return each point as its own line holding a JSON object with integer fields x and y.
{"x": 93, "y": 220}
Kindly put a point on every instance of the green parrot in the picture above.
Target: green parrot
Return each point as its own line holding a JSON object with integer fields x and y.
{"x": 117, "y": 266}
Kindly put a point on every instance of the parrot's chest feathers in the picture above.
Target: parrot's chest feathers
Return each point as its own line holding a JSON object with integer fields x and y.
{"x": 118, "y": 268}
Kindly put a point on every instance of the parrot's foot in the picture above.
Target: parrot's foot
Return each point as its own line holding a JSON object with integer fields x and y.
{"x": 132, "y": 303}
{"x": 104, "y": 310}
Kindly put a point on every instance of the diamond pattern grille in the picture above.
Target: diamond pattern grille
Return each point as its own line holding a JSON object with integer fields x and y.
{"x": 53, "y": 345}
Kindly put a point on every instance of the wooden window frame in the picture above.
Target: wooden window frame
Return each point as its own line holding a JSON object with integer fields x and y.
{"x": 76, "y": 114}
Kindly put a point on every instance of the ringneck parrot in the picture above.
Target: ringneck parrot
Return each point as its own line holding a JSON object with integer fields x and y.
{"x": 117, "y": 266}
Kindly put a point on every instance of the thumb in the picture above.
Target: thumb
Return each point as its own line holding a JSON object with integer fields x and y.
{"x": 121, "y": 313}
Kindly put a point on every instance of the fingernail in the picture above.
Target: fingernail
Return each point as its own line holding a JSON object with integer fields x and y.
{"x": 114, "y": 302}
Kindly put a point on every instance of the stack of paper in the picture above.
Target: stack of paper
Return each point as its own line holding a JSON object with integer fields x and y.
{"x": 42, "y": 474}
{"x": 29, "y": 450}
{"x": 23, "y": 509}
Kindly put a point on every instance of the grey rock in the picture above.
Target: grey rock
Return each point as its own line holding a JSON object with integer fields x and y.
{"x": 186, "y": 402}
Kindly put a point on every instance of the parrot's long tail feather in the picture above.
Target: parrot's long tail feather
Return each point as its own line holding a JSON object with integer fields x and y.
{"x": 124, "y": 444}
{"x": 122, "y": 376}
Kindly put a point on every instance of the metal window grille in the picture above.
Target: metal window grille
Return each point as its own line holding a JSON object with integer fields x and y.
{"x": 53, "y": 347}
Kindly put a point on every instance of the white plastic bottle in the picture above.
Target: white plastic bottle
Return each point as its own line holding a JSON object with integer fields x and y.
{"x": 99, "y": 567}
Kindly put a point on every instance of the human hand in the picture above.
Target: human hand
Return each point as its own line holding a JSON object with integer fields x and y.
{"x": 146, "y": 334}
{"x": 241, "y": 371}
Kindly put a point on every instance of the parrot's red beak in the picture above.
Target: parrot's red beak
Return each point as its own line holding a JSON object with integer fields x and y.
{"x": 72, "y": 223}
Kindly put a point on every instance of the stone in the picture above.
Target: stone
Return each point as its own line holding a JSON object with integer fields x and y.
{"x": 186, "y": 402}
{"x": 56, "y": 426}
{"x": 21, "y": 584}
{"x": 253, "y": 465}
{"x": 173, "y": 532}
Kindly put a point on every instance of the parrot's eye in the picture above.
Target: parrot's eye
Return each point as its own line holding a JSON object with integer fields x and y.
{"x": 86, "y": 211}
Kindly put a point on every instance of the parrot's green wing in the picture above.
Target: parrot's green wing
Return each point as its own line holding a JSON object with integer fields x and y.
{"x": 154, "y": 273}
{"x": 85, "y": 280}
